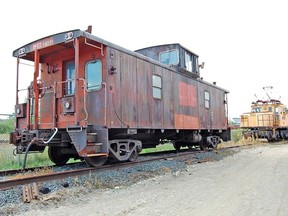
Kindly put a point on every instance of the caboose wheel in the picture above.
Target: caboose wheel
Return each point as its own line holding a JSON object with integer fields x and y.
{"x": 177, "y": 146}
{"x": 133, "y": 156}
{"x": 203, "y": 145}
{"x": 56, "y": 156}
{"x": 95, "y": 161}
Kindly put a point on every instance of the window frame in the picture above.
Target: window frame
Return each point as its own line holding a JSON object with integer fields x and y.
{"x": 70, "y": 85}
{"x": 167, "y": 51}
{"x": 207, "y": 99}
{"x": 98, "y": 87}
{"x": 189, "y": 67}
{"x": 155, "y": 86}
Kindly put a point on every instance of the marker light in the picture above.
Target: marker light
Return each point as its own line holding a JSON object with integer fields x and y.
{"x": 69, "y": 35}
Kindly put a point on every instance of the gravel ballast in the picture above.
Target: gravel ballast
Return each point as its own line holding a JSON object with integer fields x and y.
{"x": 73, "y": 190}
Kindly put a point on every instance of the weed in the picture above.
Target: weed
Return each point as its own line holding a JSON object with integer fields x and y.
{"x": 6, "y": 126}
{"x": 164, "y": 147}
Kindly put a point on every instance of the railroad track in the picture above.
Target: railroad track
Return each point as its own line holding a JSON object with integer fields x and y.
{"x": 22, "y": 180}
{"x": 7, "y": 173}
{"x": 4, "y": 141}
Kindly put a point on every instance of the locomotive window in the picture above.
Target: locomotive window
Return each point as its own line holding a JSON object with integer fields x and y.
{"x": 170, "y": 57}
{"x": 70, "y": 76}
{"x": 276, "y": 110}
{"x": 94, "y": 75}
{"x": 207, "y": 100}
{"x": 157, "y": 87}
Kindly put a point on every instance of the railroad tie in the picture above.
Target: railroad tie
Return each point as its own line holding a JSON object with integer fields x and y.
{"x": 30, "y": 192}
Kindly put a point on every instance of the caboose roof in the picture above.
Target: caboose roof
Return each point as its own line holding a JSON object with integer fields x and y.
{"x": 59, "y": 41}
{"x": 165, "y": 45}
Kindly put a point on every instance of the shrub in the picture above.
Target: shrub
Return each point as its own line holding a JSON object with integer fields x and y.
{"x": 237, "y": 135}
{"x": 6, "y": 126}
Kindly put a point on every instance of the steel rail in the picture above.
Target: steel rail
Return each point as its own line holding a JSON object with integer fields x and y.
{"x": 10, "y": 183}
{"x": 5, "y": 173}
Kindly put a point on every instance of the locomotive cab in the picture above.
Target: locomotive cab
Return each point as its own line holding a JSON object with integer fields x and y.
{"x": 267, "y": 119}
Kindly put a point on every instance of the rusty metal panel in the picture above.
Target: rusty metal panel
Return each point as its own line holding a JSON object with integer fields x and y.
{"x": 114, "y": 94}
{"x": 144, "y": 92}
{"x": 95, "y": 101}
{"x": 128, "y": 88}
{"x": 168, "y": 99}
{"x": 21, "y": 110}
{"x": 214, "y": 117}
{"x": 201, "y": 105}
{"x": 96, "y": 107}
{"x": 47, "y": 108}
{"x": 218, "y": 109}
{"x": 67, "y": 104}
{"x": 156, "y": 104}
{"x": 185, "y": 102}
{"x": 219, "y": 115}
{"x": 132, "y": 101}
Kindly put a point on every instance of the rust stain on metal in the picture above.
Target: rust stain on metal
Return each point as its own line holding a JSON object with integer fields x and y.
{"x": 187, "y": 95}
{"x": 185, "y": 121}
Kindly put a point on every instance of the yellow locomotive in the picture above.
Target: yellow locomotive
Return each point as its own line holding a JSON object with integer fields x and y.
{"x": 267, "y": 119}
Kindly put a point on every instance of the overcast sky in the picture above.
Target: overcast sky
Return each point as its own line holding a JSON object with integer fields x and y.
{"x": 243, "y": 43}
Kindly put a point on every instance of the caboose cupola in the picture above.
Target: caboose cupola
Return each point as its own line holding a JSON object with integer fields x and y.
{"x": 174, "y": 55}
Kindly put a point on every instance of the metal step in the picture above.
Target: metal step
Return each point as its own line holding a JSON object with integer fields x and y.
{"x": 97, "y": 155}
{"x": 93, "y": 144}
{"x": 91, "y": 137}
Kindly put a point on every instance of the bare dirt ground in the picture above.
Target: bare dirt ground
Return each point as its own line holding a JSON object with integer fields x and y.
{"x": 251, "y": 182}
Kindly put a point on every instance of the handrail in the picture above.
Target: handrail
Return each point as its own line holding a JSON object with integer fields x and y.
{"x": 92, "y": 45}
{"x": 85, "y": 91}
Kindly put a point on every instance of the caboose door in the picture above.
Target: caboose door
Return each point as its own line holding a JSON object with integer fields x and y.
{"x": 96, "y": 92}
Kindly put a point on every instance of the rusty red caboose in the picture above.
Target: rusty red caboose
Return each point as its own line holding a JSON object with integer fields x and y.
{"x": 92, "y": 99}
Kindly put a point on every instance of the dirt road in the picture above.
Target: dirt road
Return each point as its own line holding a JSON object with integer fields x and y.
{"x": 252, "y": 182}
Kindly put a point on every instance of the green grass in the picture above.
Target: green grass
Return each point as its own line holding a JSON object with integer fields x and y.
{"x": 10, "y": 161}
{"x": 164, "y": 147}
{"x": 6, "y": 126}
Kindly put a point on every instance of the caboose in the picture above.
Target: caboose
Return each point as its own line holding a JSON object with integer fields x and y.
{"x": 94, "y": 100}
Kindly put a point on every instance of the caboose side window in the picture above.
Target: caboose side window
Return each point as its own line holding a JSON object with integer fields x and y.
{"x": 191, "y": 62}
{"x": 188, "y": 61}
{"x": 207, "y": 99}
{"x": 170, "y": 57}
{"x": 157, "y": 86}
{"x": 93, "y": 71}
{"x": 70, "y": 77}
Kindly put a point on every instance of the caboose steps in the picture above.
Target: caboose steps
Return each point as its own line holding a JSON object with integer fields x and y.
{"x": 98, "y": 155}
